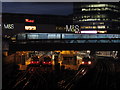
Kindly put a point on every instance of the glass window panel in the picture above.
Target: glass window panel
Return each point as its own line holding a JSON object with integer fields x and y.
{"x": 42, "y": 36}
{"x": 53, "y": 36}
{"x": 67, "y": 36}
{"x": 21, "y": 36}
{"x": 32, "y": 36}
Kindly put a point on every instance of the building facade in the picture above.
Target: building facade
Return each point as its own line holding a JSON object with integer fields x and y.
{"x": 97, "y": 17}
{"x": 13, "y": 24}
{"x": 88, "y": 17}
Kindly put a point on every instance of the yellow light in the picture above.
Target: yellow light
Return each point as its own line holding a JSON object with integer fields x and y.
{"x": 67, "y": 52}
{"x": 30, "y": 27}
{"x": 102, "y": 31}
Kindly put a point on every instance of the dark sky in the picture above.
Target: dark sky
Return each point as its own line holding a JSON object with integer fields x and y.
{"x": 37, "y": 8}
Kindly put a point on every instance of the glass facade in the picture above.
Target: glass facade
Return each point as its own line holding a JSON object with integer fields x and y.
{"x": 65, "y": 36}
{"x": 97, "y": 16}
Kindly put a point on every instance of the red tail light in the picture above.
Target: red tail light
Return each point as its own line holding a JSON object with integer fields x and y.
{"x": 37, "y": 61}
{"x": 83, "y": 62}
{"x": 89, "y": 62}
{"x": 44, "y": 62}
{"x": 32, "y": 62}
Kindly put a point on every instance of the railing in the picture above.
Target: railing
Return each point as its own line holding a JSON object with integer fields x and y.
{"x": 66, "y": 38}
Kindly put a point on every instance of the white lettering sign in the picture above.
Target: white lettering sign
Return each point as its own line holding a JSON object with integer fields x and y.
{"x": 9, "y": 26}
{"x": 72, "y": 28}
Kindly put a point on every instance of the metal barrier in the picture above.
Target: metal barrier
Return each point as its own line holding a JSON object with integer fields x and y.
{"x": 66, "y": 38}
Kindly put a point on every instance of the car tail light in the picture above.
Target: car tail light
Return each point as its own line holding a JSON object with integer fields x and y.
{"x": 49, "y": 62}
{"x": 37, "y": 61}
{"x": 32, "y": 62}
{"x": 89, "y": 62}
{"x": 83, "y": 62}
{"x": 44, "y": 62}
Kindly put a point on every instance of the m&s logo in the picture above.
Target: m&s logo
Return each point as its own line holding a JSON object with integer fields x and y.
{"x": 72, "y": 28}
{"x": 9, "y": 26}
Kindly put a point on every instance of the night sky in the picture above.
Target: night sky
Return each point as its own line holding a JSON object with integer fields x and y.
{"x": 38, "y": 8}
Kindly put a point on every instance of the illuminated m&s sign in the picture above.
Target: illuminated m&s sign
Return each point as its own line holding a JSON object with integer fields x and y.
{"x": 28, "y": 20}
{"x": 76, "y": 29}
{"x": 72, "y": 28}
{"x": 9, "y": 26}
